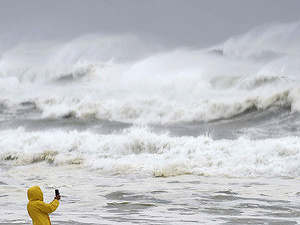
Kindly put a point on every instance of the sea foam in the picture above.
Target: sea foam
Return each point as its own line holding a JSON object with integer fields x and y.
{"x": 139, "y": 150}
{"x": 120, "y": 78}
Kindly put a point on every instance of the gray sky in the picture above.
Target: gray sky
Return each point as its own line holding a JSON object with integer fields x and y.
{"x": 174, "y": 22}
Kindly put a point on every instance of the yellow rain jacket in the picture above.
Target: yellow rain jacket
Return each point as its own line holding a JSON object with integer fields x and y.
{"x": 37, "y": 209}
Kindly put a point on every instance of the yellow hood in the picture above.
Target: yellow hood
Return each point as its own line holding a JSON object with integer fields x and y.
{"x": 35, "y": 193}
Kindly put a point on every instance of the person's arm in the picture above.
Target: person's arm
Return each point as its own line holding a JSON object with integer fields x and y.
{"x": 49, "y": 208}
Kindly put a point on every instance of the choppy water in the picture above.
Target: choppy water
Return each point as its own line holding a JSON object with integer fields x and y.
{"x": 90, "y": 197}
{"x": 137, "y": 134}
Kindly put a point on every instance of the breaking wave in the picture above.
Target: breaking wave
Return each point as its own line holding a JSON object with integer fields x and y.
{"x": 120, "y": 78}
{"x": 139, "y": 150}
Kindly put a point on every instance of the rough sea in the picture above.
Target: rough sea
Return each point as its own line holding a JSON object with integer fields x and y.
{"x": 134, "y": 133}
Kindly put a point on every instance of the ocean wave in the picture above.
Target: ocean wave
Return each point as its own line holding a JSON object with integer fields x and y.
{"x": 152, "y": 110}
{"x": 157, "y": 110}
{"x": 44, "y": 61}
{"x": 119, "y": 78}
{"x": 140, "y": 150}
{"x": 265, "y": 42}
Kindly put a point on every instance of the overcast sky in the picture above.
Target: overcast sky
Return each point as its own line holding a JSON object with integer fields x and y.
{"x": 177, "y": 22}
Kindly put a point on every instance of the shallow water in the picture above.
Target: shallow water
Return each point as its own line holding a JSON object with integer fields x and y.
{"x": 90, "y": 197}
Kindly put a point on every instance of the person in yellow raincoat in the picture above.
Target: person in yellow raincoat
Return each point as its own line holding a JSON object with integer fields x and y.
{"x": 39, "y": 210}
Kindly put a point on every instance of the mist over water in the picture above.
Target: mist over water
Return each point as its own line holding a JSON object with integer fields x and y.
{"x": 122, "y": 79}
